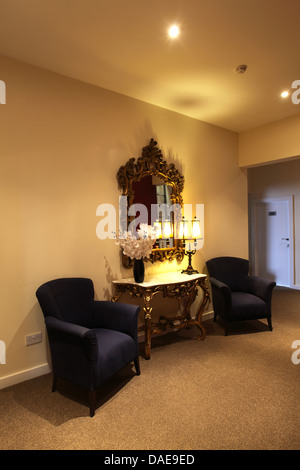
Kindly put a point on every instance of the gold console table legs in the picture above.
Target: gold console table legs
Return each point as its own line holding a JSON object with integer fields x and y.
{"x": 183, "y": 287}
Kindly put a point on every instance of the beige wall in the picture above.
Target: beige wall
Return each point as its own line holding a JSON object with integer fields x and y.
{"x": 62, "y": 142}
{"x": 280, "y": 180}
{"x": 273, "y": 142}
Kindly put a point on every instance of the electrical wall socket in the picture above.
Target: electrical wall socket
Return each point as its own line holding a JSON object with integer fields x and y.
{"x": 33, "y": 339}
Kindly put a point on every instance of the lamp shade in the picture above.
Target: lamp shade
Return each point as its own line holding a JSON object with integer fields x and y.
{"x": 190, "y": 230}
{"x": 196, "y": 230}
{"x": 184, "y": 229}
{"x": 157, "y": 227}
{"x": 167, "y": 229}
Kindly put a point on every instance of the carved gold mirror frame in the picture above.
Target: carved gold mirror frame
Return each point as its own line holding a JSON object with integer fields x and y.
{"x": 152, "y": 163}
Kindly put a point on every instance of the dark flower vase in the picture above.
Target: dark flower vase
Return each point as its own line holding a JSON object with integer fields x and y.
{"x": 138, "y": 270}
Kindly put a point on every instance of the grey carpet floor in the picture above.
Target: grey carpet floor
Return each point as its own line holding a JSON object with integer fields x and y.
{"x": 236, "y": 392}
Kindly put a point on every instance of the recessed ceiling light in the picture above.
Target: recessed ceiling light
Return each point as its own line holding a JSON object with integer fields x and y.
{"x": 174, "y": 31}
{"x": 284, "y": 94}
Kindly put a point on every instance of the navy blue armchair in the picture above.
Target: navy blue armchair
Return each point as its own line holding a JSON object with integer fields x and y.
{"x": 89, "y": 340}
{"x": 236, "y": 295}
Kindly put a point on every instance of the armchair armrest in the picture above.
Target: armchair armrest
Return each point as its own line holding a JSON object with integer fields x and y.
{"x": 220, "y": 285}
{"x": 260, "y": 287}
{"x": 222, "y": 302}
{"x": 63, "y": 333}
{"x": 221, "y": 290}
{"x": 116, "y": 316}
{"x": 65, "y": 328}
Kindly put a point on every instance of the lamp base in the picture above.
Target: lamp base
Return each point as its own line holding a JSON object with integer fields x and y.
{"x": 190, "y": 269}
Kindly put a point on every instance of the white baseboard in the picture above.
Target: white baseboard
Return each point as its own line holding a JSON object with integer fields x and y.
{"x": 24, "y": 375}
{"x": 208, "y": 315}
{"x": 293, "y": 286}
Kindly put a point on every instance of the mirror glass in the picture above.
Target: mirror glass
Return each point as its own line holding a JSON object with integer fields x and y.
{"x": 155, "y": 196}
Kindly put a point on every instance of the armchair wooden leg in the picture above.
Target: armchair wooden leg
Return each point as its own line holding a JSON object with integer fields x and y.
{"x": 137, "y": 366}
{"x": 54, "y": 383}
{"x": 92, "y": 399}
{"x": 270, "y": 323}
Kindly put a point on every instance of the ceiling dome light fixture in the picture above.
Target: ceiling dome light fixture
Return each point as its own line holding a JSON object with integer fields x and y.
{"x": 284, "y": 94}
{"x": 174, "y": 31}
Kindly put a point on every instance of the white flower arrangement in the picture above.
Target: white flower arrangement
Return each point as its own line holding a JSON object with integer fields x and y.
{"x": 138, "y": 247}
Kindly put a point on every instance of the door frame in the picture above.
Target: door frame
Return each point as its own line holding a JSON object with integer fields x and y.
{"x": 253, "y": 230}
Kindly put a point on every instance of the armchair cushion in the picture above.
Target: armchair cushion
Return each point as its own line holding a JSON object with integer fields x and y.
{"x": 109, "y": 362}
{"x": 247, "y": 307}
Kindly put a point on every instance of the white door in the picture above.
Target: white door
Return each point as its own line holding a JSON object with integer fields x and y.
{"x": 273, "y": 240}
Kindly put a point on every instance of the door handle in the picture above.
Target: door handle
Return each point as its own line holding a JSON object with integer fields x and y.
{"x": 285, "y": 239}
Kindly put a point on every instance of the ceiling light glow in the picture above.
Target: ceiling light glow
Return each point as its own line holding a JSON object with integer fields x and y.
{"x": 284, "y": 94}
{"x": 174, "y": 31}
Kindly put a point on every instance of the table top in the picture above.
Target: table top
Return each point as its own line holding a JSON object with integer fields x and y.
{"x": 151, "y": 280}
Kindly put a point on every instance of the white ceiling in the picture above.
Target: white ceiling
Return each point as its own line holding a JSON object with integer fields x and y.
{"x": 122, "y": 45}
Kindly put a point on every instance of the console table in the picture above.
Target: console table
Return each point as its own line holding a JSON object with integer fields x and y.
{"x": 173, "y": 285}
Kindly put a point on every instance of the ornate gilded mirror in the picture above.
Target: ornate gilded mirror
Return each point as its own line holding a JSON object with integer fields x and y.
{"x": 151, "y": 182}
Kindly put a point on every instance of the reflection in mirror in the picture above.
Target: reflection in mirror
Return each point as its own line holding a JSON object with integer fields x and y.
{"x": 155, "y": 195}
